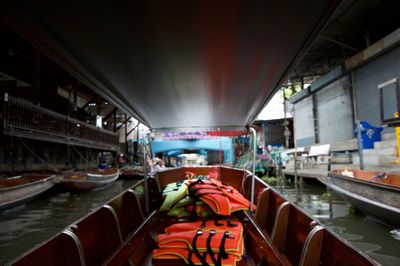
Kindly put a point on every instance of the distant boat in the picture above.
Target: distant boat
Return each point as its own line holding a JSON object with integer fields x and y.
{"x": 131, "y": 172}
{"x": 373, "y": 193}
{"x": 20, "y": 189}
{"x": 85, "y": 181}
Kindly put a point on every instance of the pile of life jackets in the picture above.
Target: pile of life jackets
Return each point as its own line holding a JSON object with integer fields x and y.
{"x": 202, "y": 243}
{"x": 201, "y": 196}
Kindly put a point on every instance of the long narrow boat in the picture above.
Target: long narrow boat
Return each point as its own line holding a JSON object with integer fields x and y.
{"x": 124, "y": 231}
{"x": 85, "y": 181}
{"x": 20, "y": 189}
{"x": 376, "y": 194}
{"x": 131, "y": 172}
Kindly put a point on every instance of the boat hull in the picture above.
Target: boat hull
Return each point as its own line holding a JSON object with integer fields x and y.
{"x": 131, "y": 173}
{"x": 15, "y": 195}
{"x": 89, "y": 181}
{"x": 122, "y": 231}
{"x": 379, "y": 201}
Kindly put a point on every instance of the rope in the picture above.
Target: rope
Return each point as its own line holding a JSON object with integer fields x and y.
{"x": 37, "y": 156}
{"x": 80, "y": 155}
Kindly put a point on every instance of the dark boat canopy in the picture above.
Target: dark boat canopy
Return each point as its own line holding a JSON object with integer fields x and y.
{"x": 177, "y": 63}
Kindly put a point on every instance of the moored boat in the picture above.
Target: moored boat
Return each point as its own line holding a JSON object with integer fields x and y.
{"x": 131, "y": 229}
{"x": 85, "y": 181}
{"x": 20, "y": 189}
{"x": 377, "y": 194}
{"x": 131, "y": 172}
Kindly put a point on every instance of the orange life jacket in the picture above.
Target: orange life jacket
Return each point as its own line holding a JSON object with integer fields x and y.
{"x": 217, "y": 225}
{"x": 201, "y": 247}
{"x": 190, "y": 258}
{"x": 203, "y": 241}
{"x": 221, "y": 198}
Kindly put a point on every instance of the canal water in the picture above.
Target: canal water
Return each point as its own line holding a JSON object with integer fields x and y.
{"x": 22, "y": 227}
{"x": 379, "y": 241}
{"x": 25, "y": 226}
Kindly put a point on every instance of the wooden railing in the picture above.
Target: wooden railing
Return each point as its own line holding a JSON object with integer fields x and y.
{"x": 22, "y": 118}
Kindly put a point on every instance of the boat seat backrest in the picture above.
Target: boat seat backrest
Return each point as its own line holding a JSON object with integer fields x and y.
{"x": 63, "y": 250}
{"x": 278, "y": 235}
{"x": 261, "y": 215}
{"x": 246, "y": 186}
{"x": 141, "y": 254}
{"x": 155, "y": 198}
{"x": 274, "y": 202}
{"x": 130, "y": 216}
{"x": 311, "y": 253}
{"x": 99, "y": 235}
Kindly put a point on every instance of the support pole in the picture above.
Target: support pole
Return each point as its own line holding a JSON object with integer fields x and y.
{"x": 360, "y": 146}
{"x": 254, "y": 133}
{"x": 295, "y": 149}
{"x": 357, "y": 121}
{"x": 137, "y": 140}
{"x": 146, "y": 192}
{"x": 295, "y": 163}
{"x": 115, "y": 122}
{"x": 220, "y": 148}
{"x": 126, "y": 134}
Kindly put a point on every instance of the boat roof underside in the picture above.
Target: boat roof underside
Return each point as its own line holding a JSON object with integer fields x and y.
{"x": 168, "y": 62}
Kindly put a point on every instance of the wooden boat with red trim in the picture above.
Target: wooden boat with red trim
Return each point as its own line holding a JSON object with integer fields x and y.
{"x": 20, "y": 189}
{"x": 377, "y": 194}
{"x": 124, "y": 231}
{"x": 94, "y": 179}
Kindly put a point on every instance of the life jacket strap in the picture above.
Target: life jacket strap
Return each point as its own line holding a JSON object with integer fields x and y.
{"x": 196, "y": 251}
{"x": 190, "y": 258}
{"x": 222, "y": 252}
{"x": 230, "y": 224}
{"x": 209, "y": 248}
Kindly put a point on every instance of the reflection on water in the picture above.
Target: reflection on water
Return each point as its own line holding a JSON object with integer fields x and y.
{"x": 377, "y": 240}
{"x": 24, "y": 226}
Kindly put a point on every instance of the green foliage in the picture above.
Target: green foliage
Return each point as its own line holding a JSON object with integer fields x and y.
{"x": 352, "y": 210}
{"x": 270, "y": 179}
{"x": 326, "y": 196}
{"x": 139, "y": 190}
{"x": 288, "y": 92}
{"x": 273, "y": 180}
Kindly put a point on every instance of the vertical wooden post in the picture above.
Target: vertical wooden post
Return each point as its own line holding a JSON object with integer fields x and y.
{"x": 137, "y": 139}
{"x": 126, "y": 134}
{"x": 115, "y": 122}
{"x": 2, "y": 113}
{"x": 12, "y": 154}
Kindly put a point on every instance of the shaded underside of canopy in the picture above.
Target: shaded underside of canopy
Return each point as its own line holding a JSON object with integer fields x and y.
{"x": 176, "y": 64}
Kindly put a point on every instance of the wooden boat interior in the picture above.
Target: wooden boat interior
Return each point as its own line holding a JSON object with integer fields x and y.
{"x": 12, "y": 182}
{"x": 391, "y": 179}
{"x": 108, "y": 171}
{"x": 22, "y": 179}
{"x": 75, "y": 175}
{"x": 124, "y": 231}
